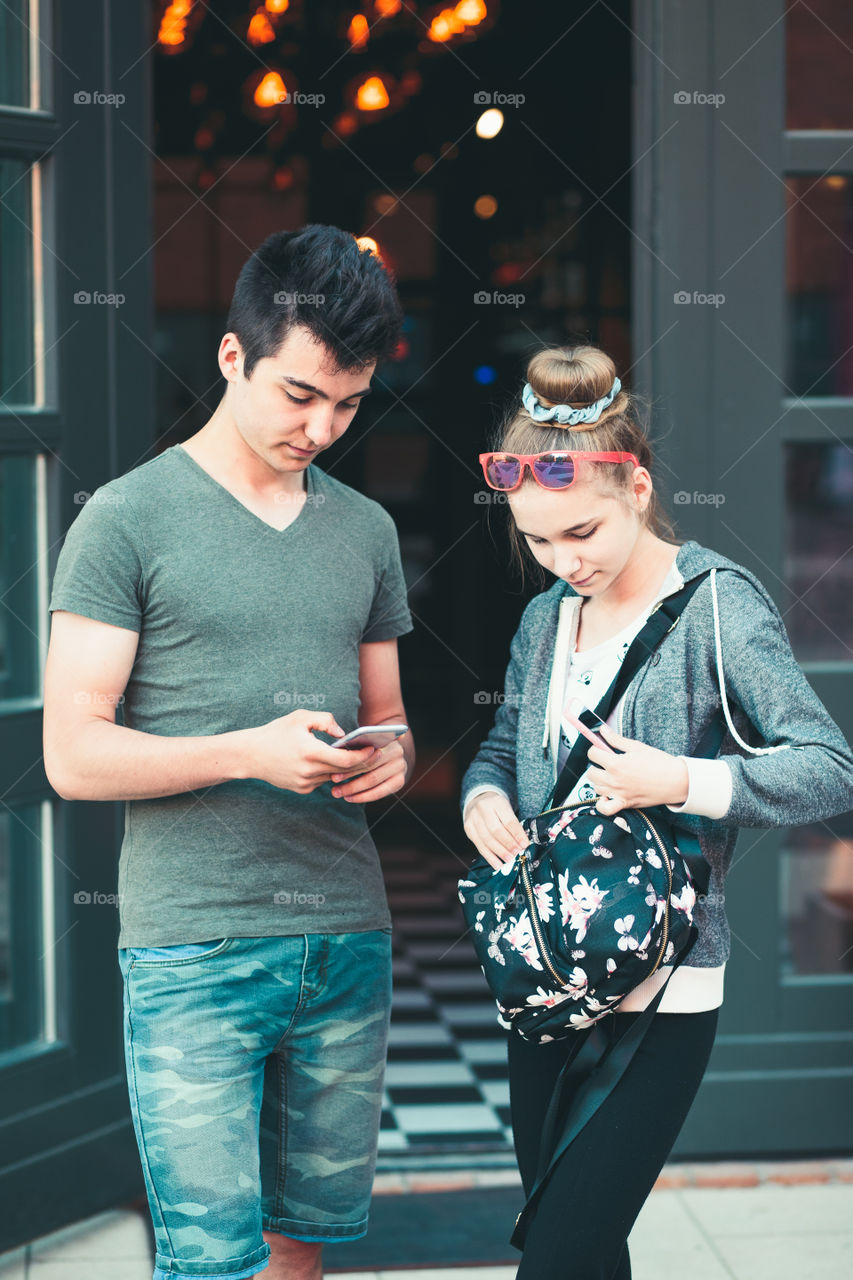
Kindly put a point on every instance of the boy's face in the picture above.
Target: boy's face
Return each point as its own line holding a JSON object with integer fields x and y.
{"x": 292, "y": 407}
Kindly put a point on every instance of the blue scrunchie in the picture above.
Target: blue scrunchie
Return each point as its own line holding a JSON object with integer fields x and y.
{"x": 563, "y": 413}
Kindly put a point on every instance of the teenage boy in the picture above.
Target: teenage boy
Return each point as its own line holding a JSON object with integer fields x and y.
{"x": 243, "y": 607}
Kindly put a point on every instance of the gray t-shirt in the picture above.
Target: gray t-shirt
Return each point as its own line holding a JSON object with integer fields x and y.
{"x": 238, "y": 623}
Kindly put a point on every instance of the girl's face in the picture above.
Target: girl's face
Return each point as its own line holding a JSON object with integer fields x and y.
{"x": 580, "y": 534}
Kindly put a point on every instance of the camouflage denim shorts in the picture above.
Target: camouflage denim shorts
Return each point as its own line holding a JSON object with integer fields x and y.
{"x": 255, "y": 1069}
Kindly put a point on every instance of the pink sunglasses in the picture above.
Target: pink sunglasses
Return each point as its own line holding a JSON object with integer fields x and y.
{"x": 555, "y": 470}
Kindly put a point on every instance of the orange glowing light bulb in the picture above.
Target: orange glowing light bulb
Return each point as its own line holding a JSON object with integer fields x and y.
{"x": 270, "y": 91}
{"x": 367, "y": 242}
{"x": 171, "y": 33}
{"x": 358, "y": 31}
{"x": 372, "y": 95}
{"x": 445, "y": 25}
{"x": 470, "y": 12}
{"x": 260, "y": 29}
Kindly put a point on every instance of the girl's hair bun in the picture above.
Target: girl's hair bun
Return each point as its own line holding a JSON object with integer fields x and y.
{"x": 576, "y": 376}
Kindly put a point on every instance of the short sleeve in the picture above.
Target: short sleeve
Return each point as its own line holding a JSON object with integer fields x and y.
{"x": 99, "y": 572}
{"x": 389, "y": 613}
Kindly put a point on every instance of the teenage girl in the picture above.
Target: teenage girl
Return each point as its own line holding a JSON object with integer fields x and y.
{"x": 596, "y": 524}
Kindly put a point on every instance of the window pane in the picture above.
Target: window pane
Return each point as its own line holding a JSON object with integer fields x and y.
{"x": 817, "y": 899}
{"x": 818, "y": 555}
{"x": 17, "y": 374}
{"x": 14, "y": 53}
{"x": 19, "y": 625}
{"x": 22, "y": 979}
{"x": 820, "y": 285}
{"x": 819, "y": 44}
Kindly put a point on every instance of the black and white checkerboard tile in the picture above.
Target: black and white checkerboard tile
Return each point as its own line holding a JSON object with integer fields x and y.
{"x": 446, "y": 1081}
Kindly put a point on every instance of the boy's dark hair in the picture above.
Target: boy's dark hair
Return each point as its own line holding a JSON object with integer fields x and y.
{"x": 359, "y": 319}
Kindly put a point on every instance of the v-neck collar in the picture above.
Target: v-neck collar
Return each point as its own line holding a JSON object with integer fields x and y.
{"x": 311, "y": 487}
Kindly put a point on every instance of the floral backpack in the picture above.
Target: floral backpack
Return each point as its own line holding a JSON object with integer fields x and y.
{"x": 593, "y": 907}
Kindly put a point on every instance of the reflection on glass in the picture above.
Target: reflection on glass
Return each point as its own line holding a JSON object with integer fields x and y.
{"x": 14, "y": 53}
{"x": 22, "y": 992}
{"x": 817, "y": 899}
{"x": 819, "y": 285}
{"x": 19, "y": 625}
{"x": 819, "y": 49}
{"x": 818, "y": 556}
{"x": 17, "y": 374}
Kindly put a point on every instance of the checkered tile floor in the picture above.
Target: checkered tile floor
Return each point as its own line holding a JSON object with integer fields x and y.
{"x": 446, "y": 1081}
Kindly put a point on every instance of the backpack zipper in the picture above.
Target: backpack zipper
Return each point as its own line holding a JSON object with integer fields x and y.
{"x": 668, "y": 865}
{"x": 535, "y": 922}
{"x": 536, "y": 925}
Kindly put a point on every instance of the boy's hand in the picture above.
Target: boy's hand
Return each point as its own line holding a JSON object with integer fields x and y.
{"x": 287, "y": 754}
{"x": 385, "y": 774}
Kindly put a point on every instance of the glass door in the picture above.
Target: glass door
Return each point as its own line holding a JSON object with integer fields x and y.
{"x": 743, "y": 325}
{"x": 75, "y": 411}
{"x": 816, "y": 870}
{"x": 27, "y": 955}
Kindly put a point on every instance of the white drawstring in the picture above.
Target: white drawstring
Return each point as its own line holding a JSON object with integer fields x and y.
{"x": 559, "y": 668}
{"x": 757, "y": 751}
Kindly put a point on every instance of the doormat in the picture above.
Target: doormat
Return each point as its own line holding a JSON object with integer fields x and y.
{"x": 465, "y": 1228}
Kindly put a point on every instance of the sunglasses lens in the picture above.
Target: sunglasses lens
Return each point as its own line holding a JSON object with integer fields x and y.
{"x": 503, "y": 472}
{"x": 554, "y": 471}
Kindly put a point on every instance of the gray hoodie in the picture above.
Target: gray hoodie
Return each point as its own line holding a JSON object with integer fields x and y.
{"x": 668, "y": 704}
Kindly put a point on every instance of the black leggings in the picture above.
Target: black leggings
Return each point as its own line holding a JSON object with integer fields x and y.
{"x": 598, "y": 1187}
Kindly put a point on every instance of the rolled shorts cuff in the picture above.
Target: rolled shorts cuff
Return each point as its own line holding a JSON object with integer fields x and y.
{"x": 315, "y": 1232}
{"x": 228, "y": 1269}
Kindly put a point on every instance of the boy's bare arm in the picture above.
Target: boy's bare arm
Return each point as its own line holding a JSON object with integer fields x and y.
{"x": 88, "y": 756}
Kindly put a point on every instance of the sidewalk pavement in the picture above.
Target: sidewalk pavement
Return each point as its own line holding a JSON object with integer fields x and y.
{"x": 743, "y": 1221}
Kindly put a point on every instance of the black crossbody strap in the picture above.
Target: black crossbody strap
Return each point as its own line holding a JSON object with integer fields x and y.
{"x": 661, "y": 620}
{"x": 599, "y": 1066}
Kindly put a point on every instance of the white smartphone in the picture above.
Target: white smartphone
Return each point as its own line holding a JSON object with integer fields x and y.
{"x": 370, "y": 735}
{"x": 573, "y": 710}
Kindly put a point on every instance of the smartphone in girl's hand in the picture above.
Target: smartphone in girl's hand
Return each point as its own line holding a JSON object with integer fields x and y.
{"x": 572, "y": 711}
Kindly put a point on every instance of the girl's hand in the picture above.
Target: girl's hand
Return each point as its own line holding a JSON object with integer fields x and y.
{"x": 642, "y": 776}
{"x": 492, "y": 827}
